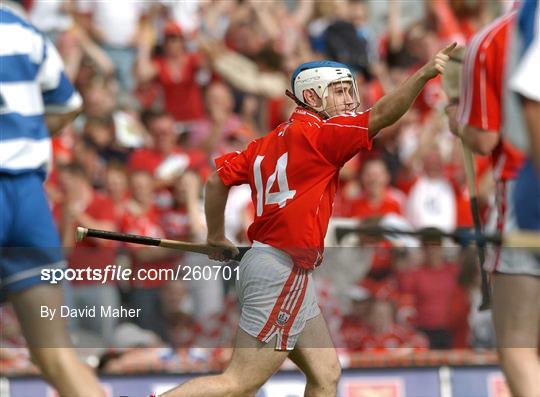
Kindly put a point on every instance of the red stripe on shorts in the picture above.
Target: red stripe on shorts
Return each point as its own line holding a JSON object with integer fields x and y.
{"x": 277, "y": 306}
{"x": 295, "y": 311}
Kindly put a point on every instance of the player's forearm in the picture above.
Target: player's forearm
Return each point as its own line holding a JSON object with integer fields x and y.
{"x": 214, "y": 207}
{"x": 56, "y": 122}
{"x": 479, "y": 141}
{"x": 392, "y": 106}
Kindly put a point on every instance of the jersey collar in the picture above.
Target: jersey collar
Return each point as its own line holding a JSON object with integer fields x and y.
{"x": 301, "y": 114}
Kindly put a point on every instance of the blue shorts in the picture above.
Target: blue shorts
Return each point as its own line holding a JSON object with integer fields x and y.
{"x": 28, "y": 235}
{"x": 526, "y": 198}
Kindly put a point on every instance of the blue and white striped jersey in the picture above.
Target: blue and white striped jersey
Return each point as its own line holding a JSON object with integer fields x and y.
{"x": 32, "y": 82}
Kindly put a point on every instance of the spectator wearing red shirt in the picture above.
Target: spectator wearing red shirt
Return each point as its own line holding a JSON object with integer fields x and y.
{"x": 178, "y": 309}
{"x": 383, "y": 333}
{"x": 432, "y": 286}
{"x": 176, "y": 72}
{"x": 116, "y": 185}
{"x": 84, "y": 206}
{"x": 469, "y": 326}
{"x": 185, "y": 219}
{"x": 353, "y": 325}
{"x": 377, "y": 197}
{"x": 165, "y": 160}
{"x": 142, "y": 217}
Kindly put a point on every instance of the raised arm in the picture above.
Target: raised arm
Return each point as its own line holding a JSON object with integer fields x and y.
{"x": 392, "y": 106}
{"x": 144, "y": 68}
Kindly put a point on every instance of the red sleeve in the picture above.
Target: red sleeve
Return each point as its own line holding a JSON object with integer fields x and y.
{"x": 480, "y": 99}
{"x": 233, "y": 168}
{"x": 344, "y": 136}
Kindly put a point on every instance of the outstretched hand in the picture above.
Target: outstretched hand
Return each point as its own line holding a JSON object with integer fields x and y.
{"x": 437, "y": 65}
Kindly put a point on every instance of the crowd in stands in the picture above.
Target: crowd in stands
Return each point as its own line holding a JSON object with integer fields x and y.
{"x": 168, "y": 86}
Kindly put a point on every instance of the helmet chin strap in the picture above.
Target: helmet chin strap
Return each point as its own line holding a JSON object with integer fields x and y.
{"x": 321, "y": 114}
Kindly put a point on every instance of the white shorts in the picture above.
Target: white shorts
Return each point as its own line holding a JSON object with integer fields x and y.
{"x": 276, "y": 297}
{"x": 502, "y": 218}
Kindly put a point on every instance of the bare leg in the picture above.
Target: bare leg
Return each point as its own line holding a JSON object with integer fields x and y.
{"x": 252, "y": 364}
{"x": 516, "y": 315}
{"x": 316, "y": 356}
{"x": 50, "y": 345}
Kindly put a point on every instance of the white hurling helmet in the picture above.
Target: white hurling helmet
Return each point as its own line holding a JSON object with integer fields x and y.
{"x": 318, "y": 76}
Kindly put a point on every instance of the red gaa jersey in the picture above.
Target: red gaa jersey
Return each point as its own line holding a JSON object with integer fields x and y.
{"x": 293, "y": 175}
{"x": 480, "y": 103}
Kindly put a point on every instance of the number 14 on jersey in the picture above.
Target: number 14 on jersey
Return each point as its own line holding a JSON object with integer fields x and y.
{"x": 264, "y": 196}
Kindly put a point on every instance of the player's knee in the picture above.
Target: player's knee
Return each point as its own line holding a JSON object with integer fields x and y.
{"x": 234, "y": 386}
{"x": 50, "y": 361}
{"x": 333, "y": 373}
{"x": 327, "y": 377}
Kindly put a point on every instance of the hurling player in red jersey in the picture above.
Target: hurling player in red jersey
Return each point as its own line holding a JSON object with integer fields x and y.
{"x": 480, "y": 112}
{"x": 293, "y": 175}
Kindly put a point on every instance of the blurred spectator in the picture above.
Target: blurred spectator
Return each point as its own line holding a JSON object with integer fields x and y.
{"x": 100, "y": 132}
{"x": 114, "y": 25}
{"x": 177, "y": 72}
{"x": 84, "y": 206}
{"x": 141, "y": 216}
{"x": 178, "y": 306}
{"x": 81, "y": 54}
{"x": 432, "y": 201}
{"x": 347, "y": 40}
{"x": 377, "y": 197}
{"x": 243, "y": 73}
{"x": 101, "y": 104}
{"x": 52, "y": 17}
{"x": 212, "y": 134}
{"x": 360, "y": 18}
{"x": 459, "y": 21}
{"x": 353, "y": 326}
{"x": 381, "y": 251}
{"x": 185, "y": 14}
{"x": 87, "y": 155}
{"x": 469, "y": 326}
{"x": 185, "y": 219}
{"x": 117, "y": 187}
{"x": 432, "y": 286}
{"x": 383, "y": 333}
{"x": 99, "y": 100}
{"x": 165, "y": 160}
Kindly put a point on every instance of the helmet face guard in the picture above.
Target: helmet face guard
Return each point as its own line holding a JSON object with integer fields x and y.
{"x": 334, "y": 84}
{"x": 340, "y": 96}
